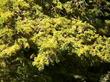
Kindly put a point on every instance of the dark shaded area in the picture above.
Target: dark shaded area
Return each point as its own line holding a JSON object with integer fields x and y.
{"x": 71, "y": 69}
{"x": 74, "y": 69}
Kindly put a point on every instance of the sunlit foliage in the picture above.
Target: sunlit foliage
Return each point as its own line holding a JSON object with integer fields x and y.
{"x": 54, "y": 40}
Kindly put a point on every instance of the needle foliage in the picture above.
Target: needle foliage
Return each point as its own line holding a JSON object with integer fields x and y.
{"x": 54, "y": 40}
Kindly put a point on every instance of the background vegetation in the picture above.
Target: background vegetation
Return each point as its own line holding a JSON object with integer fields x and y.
{"x": 54, "y": 41}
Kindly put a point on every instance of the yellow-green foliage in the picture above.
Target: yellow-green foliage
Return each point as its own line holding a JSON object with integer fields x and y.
{"x": 52, "y": 35}
{"x": 75, "y": 36}
{"x": 24, "y": 23}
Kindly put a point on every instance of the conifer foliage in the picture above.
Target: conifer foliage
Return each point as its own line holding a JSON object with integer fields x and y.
{"x": 54, "y": 40}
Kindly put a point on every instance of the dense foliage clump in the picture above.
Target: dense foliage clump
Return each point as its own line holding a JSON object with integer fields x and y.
{"x": 54, "y": 40}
